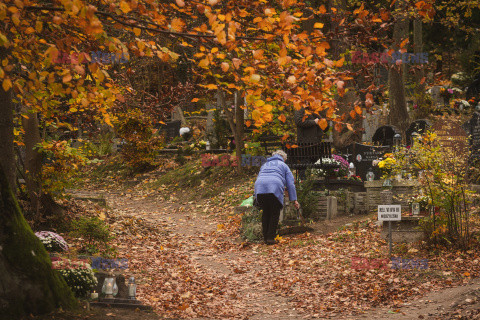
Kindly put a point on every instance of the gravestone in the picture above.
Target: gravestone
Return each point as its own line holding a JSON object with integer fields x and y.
{"x": 177, "y": 114}
{"x": 419, "y": 126}
{"x": 210, "y": 128}
{"x": 472, "y": 127}
{"x": 172, "y": 130}
{"x": 384, "y": 135}
{"x": 451, "y": 136}
{"x": 364, "y": 156}
{"x": 436, "y": 97}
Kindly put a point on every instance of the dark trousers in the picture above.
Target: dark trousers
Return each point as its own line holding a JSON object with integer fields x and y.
{"x": 271, "y": 213}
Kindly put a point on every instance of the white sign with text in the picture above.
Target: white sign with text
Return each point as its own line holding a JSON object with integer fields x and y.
{"x": 389, "y": 212}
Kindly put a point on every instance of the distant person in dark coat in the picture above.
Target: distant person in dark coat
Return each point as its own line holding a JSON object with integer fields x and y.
{"x": 272, "y": 179}
{"x": 308, "y": 130}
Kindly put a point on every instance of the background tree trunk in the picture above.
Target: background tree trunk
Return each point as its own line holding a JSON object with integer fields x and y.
{"x": 419, "y": 70}
{"x": 33, "y": 160}
{"x": 398, "y": 116}
{"x": 7, "y": 155}
{"x": 235, "y": 120}
{"x": 42, "y": 202}
{"x": 239, "y": 132}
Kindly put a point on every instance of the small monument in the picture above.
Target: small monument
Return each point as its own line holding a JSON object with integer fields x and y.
{"x": 364, "y": 156}
{"x": 384, "y": 135}
{"x": 419, "y": 126}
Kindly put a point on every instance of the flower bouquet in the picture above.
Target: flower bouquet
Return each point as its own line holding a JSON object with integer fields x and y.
{"x": 52, "y": 241}
{"x": 78, "y": 275}
{"x": 339, "y": 167}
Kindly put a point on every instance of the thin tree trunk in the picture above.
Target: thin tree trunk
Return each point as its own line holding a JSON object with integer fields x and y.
{"x": 233, "y": 121}
{"x": 398, "y": 116}
{"x": 33, "y": 160}
{"x": 239, "y": 132}
{"x": 419, "y": 70}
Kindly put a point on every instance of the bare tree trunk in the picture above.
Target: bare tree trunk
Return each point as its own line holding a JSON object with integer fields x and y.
{"x": 239, "y": 132}
{"x": 7, "y": 155}
{"x": 33, "y": 160}
{"x": 419, "y": 70}
{"x": 42, "y": 202}
{"x": 236, "y": 124}
{"x": 398, "y": 107}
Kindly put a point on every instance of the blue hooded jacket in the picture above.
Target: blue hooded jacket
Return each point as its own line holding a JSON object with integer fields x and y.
{"x": 274, "y": 175}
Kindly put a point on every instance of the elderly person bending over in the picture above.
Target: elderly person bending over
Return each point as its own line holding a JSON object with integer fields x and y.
{"x": 274, "y": 175}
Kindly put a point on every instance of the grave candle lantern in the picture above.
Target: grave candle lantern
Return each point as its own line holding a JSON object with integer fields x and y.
{"x": 370, "y": 175}
{"x": 108, "y": 286}
{"x": 397, "y": 139}
{"x": 132, "y": 288}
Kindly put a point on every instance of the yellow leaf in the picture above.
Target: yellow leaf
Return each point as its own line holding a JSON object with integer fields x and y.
{"x": 322, "y": 9}
{"x": 214, "y": 50}
{"x": 256, "y": 115}
{"x": 125, "y": 7}
{"x": 102, "y": 216}
{"x": 358, "y": 109}
{"x": 67, "y": 78}
{"x": 194, "y": 99}
{"x": 323, "y": 123}
{"x": 177, "y": 24}
{"x": 137, "y": 31}
{"x": 318, "y": 25}
{"x": 7, "y": 84}
{"x": 267, "y": 107}
{"x": 255, "y": 77}
{"x": 340, "y": 62}
{"x": 204, "y": 63}
{"x": 282, "y": 118}
{"x": 29, "y": 30}
{"x": 259, "y": 103}
{"x": 225, "y": 66}
{"x": 404, "y": 42}
{"x": 211, "y": 86}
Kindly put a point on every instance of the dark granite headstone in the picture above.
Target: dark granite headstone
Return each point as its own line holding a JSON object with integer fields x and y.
{"x": 172, "y": 130}
{"x": 472, "y": 127}
{"x": 384, "y": 135}
{"x": 451, "y": 135}
{"x": 364, "y": 156}
{"x": 419, "y": 126}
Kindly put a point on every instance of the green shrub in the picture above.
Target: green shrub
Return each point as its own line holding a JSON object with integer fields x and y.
{"x": 94, "y": 231}
{"x": 307, "y": 198}
{"x": 252, "y": 225}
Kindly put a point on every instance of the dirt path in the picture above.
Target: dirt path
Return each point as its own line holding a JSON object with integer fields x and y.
{"x": 234, "y": 280}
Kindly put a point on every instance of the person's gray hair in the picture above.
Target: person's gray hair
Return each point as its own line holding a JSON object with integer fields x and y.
{"x": 280, "y": 153}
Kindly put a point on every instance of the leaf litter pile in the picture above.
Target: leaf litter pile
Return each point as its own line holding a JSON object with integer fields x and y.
{"x": 190, "y": 262}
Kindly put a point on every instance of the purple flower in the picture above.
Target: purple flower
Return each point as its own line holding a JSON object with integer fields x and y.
{"x": 450, "y": 91}
{"x": 52, "y": 241}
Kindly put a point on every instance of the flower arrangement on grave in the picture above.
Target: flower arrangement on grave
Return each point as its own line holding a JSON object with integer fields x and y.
{"x": 339, "y": 167}
{"x": 78, "y": 275}
{"x": 52, "y": 241}
{"x": 449, "y": 93}
{"x": 461, "y": 105}
{"x": 385, "y": 164}
{"x": 423, "y": 200}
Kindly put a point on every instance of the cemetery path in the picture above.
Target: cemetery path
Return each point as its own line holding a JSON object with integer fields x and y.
{"x": 189, "y": 266}
{"x": 218, "y": 260}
